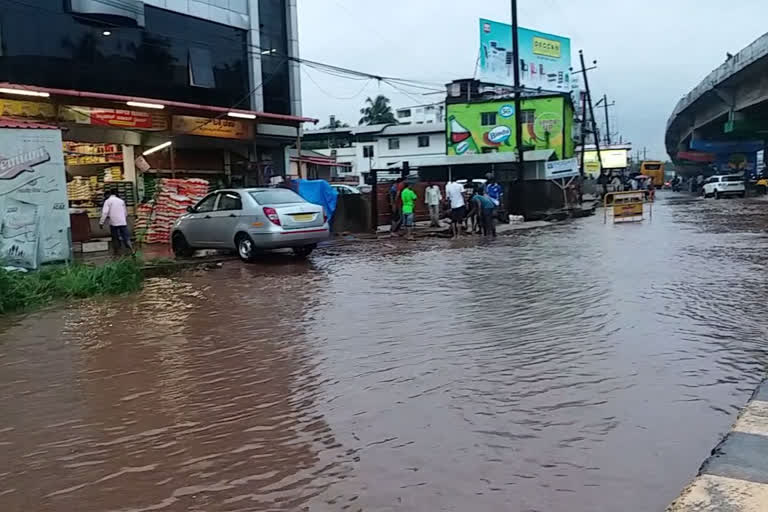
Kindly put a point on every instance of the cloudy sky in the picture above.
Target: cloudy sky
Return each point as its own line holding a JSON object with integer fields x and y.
{"x": 649, "y": 53}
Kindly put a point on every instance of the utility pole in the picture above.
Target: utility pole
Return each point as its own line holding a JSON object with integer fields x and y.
{"x": 645, "y": 153}
{"x": 518, "y": 109}
{"x": 605, "y": 103}
{"x": 591, "y": 114}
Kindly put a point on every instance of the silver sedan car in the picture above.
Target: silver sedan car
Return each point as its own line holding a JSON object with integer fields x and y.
{"x": 249, "y": 220}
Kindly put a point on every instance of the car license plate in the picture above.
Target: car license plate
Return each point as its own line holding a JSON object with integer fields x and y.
{"x": 303, "y": 217}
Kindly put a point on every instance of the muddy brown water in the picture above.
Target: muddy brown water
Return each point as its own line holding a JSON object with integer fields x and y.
{"x": 574, "y": 368}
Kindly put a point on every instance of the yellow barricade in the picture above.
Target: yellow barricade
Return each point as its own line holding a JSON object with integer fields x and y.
{"x": 626, "y": 206}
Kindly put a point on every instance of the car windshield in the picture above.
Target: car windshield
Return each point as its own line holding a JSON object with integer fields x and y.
{"x": 276, "y": 196}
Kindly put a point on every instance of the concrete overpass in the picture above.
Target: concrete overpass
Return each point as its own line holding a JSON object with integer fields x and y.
{"x": 724, "y": 118}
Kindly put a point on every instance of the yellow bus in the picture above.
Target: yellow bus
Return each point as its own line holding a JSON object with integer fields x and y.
{"x": 654, "y": 170}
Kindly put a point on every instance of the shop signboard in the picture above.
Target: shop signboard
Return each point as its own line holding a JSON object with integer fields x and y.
{"x": 222, "y": 128}
{"x": 567, "y": 168}
{"x": 34, "y": 214}
{"x": 115, "y": 118}
{"x": 27, "y": 109}
{"x": 545, "y": 59}
{"x": 473, "y": 128}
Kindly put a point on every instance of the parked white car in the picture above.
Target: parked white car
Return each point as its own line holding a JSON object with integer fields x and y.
{"x": 250, "y": 220}
{"x": 726, "y": 185}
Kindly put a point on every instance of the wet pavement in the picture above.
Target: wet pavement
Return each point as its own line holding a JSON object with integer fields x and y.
{"x": 572, "y": 368}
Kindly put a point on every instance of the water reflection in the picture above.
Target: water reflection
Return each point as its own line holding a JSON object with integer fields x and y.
{"x": 575, "y": 368}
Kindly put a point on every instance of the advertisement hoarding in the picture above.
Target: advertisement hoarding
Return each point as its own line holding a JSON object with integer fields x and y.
{"x": 115, "y": 118}
{"x": 473, "y": 128}
{"x": 34, "y": 212}
{"x": 545, "y": 59}
{"x": 611, "y": 158}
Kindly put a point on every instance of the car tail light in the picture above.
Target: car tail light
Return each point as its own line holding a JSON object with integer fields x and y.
{"x": 272, "y": 215}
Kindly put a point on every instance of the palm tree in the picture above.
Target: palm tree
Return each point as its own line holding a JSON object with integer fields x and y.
{"x": 377, "y": 111}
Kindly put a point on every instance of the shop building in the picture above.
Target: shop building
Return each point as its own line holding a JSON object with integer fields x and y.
{"x": 153, "y": 90}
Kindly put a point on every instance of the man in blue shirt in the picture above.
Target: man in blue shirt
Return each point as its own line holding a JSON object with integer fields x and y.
{"x": 494, "y": 191}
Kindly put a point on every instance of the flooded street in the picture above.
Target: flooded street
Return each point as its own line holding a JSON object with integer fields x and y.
{"x": 574, "y": 368}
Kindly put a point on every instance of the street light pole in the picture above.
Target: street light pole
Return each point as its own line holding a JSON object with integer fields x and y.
{"x": 518, "y": 110}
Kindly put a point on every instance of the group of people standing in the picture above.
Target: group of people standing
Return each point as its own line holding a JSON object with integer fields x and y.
{"x": 472, "y": 208}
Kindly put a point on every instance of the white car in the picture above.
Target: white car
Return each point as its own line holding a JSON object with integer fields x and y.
{"x": 721, "y": 186}
{"x": 345, "y": 189}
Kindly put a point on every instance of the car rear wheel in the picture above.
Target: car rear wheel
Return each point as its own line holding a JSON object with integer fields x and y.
{"x": 303, "y": 252}
{"x": 246, "y": 249}
{"x": 180, "y": 246}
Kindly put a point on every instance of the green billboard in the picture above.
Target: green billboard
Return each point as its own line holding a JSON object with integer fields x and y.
{"x": 485, "y": 127}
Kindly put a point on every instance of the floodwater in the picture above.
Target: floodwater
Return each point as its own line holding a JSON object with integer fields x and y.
{"x": 575, "y": 368}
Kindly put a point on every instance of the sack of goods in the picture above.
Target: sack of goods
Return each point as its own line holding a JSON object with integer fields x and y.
{"x": 173, "y": 198}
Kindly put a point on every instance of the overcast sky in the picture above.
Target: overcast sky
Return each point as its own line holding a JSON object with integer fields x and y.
{"x": 649, "y": 52}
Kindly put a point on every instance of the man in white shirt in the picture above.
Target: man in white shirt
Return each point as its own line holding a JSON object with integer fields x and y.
{"x": 455, "y": 194}
{"x": 432, "y": 198}
{"x": 115, "y": 211}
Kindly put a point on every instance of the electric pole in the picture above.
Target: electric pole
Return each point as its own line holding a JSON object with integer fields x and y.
{"x": 518, "y": 109}
{"x": 605, "y": 103}
{"x": 591, "y": 114}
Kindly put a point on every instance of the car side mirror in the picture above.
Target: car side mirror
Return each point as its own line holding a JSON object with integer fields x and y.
{"x": 190, "y": 209}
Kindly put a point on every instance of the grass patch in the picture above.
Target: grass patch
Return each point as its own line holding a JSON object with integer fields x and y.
{"x": 24, "y": 291}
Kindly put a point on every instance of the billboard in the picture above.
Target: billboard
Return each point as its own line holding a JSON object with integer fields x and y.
{"x": 545, "y": 59}
{"x": 611, "y": 158}
{"x": 473, "y": 128}
{"x": 34, "y": 212}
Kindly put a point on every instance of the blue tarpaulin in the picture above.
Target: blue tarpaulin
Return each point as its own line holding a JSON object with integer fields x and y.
{"x": 318, "y": 192}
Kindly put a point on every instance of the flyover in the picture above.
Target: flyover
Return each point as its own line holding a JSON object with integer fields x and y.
{"x": 723, "y": 122}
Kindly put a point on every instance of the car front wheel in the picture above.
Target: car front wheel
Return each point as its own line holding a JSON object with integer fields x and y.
{"x": 246, "y": 249}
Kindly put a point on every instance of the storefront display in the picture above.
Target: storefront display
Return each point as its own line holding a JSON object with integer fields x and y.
{"x": 155, "y": 218}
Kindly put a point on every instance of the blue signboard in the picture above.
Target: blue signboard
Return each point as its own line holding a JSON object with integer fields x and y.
{"x": 545, "y": 59}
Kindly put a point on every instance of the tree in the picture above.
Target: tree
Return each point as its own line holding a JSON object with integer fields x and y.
{"x": 377, "y": 111}
{"x": 334, "y": 124}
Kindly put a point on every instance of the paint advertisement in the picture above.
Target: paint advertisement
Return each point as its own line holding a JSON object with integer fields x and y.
{"x": 545, "y": 59}
{"x": 473, "y": 128}
{"x": 34, "y": 213}
{"x": 222, "y": 128}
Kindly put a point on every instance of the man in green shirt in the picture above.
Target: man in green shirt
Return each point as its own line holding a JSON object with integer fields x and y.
{"x": 408, "y": 197}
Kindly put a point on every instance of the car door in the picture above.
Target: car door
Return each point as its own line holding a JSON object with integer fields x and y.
{"x": 196, "y": 228}
{"x": 225, "y": 217}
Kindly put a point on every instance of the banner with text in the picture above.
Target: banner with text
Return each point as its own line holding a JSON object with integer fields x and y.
{"x": 223, "y": 128}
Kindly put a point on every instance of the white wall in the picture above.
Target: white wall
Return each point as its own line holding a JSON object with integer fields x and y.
{"x": 383, "y": 156}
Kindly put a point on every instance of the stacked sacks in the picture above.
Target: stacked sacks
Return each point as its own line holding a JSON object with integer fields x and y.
{"x": 173, "y": 198}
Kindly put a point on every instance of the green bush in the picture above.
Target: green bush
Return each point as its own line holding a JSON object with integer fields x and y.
{"x": 19, "y": 291}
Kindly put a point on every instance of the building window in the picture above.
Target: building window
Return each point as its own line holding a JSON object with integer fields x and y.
{"x": 404, "y": 113}
{"x": 200, "y": 68}
{"x": 488, "y": 118}
{"x": 394, "y": 143}
{"x": 367, "y": 151}
{"x": 423, "y": 141}
{"x": 527, "y": 116}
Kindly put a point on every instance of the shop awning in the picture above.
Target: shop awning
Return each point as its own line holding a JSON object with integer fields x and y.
{"x": 167, "y": 103}
{"x": 7, "y": 122}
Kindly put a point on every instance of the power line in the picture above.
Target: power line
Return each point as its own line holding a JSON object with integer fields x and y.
{"x": 308, "y": 75}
